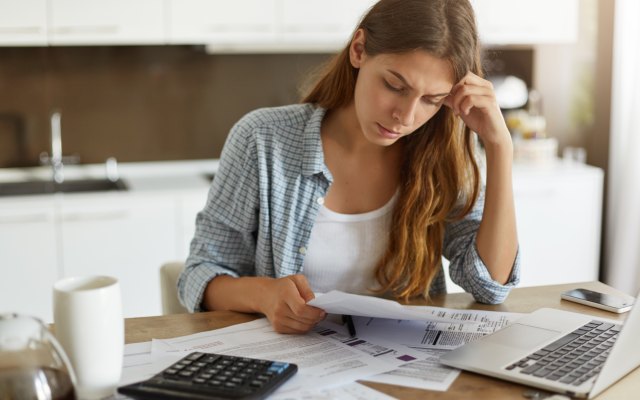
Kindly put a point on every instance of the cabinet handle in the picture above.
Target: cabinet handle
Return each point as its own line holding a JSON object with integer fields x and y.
{"x": 21, "y": 30}
{"x": 107, "y": 215}
{"x": 97, "y": 30}
{"x": 27, "y": 218}
{"x": 225, "y": 28}
{"x": 296, "y": 28}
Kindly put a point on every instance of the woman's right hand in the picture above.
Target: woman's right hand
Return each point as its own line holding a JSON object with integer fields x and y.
{"x": 285, "y": 305}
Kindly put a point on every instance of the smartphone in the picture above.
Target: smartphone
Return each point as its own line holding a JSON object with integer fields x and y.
{"x": 603, "y": 301}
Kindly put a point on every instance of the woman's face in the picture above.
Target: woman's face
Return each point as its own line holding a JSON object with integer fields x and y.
{"x": 396, "y": 94}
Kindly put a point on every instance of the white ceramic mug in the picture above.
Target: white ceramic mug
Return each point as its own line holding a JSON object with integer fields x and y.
{"x": 90, "y": 327}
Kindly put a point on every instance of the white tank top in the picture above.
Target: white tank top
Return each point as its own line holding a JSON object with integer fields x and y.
{"x": 344, "y": 249}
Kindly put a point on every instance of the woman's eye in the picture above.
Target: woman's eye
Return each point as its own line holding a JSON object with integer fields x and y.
{"x": 391, "y": 87}
{"x": 433, "y": 102}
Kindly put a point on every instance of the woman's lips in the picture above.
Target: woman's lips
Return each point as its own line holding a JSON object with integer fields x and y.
{"x": 384, "y": 132}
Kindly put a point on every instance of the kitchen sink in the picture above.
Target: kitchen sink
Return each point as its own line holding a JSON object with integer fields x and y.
{"x": 69, "y": 186}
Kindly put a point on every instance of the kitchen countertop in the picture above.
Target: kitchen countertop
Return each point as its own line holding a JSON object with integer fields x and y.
{"x": 195, "y": 174}
{"x": 138, "y": 176}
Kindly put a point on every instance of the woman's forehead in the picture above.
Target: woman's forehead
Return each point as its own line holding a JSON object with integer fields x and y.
{"x": 419, "y": 68}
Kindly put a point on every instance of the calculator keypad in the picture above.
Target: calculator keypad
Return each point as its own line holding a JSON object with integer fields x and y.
{"x": 223, "y": 375}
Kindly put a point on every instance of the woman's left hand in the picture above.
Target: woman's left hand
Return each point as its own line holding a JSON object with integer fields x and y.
{"x": 474, "y": 101}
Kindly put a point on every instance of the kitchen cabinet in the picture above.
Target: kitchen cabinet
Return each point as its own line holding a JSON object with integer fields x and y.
{"x": 320, "y": 22}
{"x": 221, "y": 22}
{"x": 189, "y": 205}
{"x": 254, "y": 25}
{"x": 23, "y": 23}
{"x": 114, "y": 22}
{"x": 505, "y": 22}
{"x": 128, "y": 235}
{"x": 559, "y": 219}
{"x": 122, "y": 235}
{"x": 559, "y": 215}
{"x": 265, "y": 25}
{"x": 28, "y": 256}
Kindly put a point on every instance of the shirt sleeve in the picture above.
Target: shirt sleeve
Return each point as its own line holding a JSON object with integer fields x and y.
{"x": 465, "y": 265}
{"x": 224, "y": 241}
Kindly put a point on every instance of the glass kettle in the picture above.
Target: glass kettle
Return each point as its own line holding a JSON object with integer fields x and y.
{"x": 33, "y": 365}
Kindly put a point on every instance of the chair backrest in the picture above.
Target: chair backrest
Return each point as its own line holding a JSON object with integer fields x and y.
{"x": 169, "y": 274}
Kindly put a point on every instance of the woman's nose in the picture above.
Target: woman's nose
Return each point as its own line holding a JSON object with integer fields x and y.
{"x": 404, "y": 112}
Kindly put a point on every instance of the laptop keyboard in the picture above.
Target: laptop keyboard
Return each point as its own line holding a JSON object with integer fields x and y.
{"x": 575, "y": 357}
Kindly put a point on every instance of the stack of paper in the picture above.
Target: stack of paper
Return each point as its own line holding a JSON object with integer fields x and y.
{"x": 395, "y": 344}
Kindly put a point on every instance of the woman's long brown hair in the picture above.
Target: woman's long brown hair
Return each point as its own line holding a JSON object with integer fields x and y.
{"x": 439, "y": 180}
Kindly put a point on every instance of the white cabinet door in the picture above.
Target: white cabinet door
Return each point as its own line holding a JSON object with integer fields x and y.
{"x": 28, "y": 257}
{"x": 23, "y": 23}
{"x": 96, "y": 22}
{"x": 503, "y": 22}
{"x": 221, "y": 22}
{"x": 559, "y": 212}
{"x": 189, "y": 205}
{"x": 320, "y": 22}
{"x": 121, "y": 235}
{"x": 264, "y": 25}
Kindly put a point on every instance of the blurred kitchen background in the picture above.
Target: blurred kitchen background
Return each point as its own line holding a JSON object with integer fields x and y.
{"x": 144, "y": 100}
{"x": 159, "y": 83}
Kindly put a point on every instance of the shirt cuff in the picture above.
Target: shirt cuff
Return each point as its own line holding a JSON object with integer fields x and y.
{"x": 194, "y": 281}
{"x": 483, "y": 287}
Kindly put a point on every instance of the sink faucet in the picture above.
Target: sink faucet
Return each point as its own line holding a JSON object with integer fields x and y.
{"x": 56, "y": 159}
{"x": 56, "y": 148}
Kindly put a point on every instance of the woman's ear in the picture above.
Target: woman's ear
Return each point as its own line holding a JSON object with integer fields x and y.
{"x": 356, "y": 49}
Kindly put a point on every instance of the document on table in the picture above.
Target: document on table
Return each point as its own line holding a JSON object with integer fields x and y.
{"x": 422, "y": 368}
{"x": 405, "y": 352}
{"x": 425, "y": 373}
{"x": 393, "y": 354}
{"x": 350, "y": 391}
{"x": 140, "y": 365}
{"x": 470, "y": 325}
{"x": 432, "y": 339}
{"x": 337, "y": 302}
{"x": 322, "y": 363}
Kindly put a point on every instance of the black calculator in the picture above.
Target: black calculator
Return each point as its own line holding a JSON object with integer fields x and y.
{"x": 213, "y": 376}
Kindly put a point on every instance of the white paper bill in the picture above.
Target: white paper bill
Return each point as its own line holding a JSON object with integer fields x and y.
{"x": 337, "y": 302}
{"x": 350, "y": 391}
{"x": 426, "y": 373}
{"x": 322, "y": 362}
{"x": 469, "y": 325}
{"x": 418, "y": 368}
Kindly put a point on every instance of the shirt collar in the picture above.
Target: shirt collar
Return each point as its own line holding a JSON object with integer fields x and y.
{"x": 312, "y": 151}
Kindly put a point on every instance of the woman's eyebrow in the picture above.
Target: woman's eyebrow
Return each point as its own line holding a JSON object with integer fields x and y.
{"x": 404, "y": 81}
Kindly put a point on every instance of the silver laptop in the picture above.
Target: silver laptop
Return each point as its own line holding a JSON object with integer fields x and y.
{"x": 560, "y": 351}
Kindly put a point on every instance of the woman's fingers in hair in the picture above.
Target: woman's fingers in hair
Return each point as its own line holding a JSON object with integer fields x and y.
{"x": 476, "y": 101}
{"x": 471, "y": 91}
{"x": 472, "y": 79}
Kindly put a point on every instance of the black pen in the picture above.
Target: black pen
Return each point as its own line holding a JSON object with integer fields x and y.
{"x": 349, "y": 320}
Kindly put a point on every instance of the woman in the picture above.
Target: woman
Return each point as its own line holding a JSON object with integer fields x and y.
{"x": 368, "y": 183}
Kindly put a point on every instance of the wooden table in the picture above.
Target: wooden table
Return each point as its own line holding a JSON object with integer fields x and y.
{"x": 468, "y": 385}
